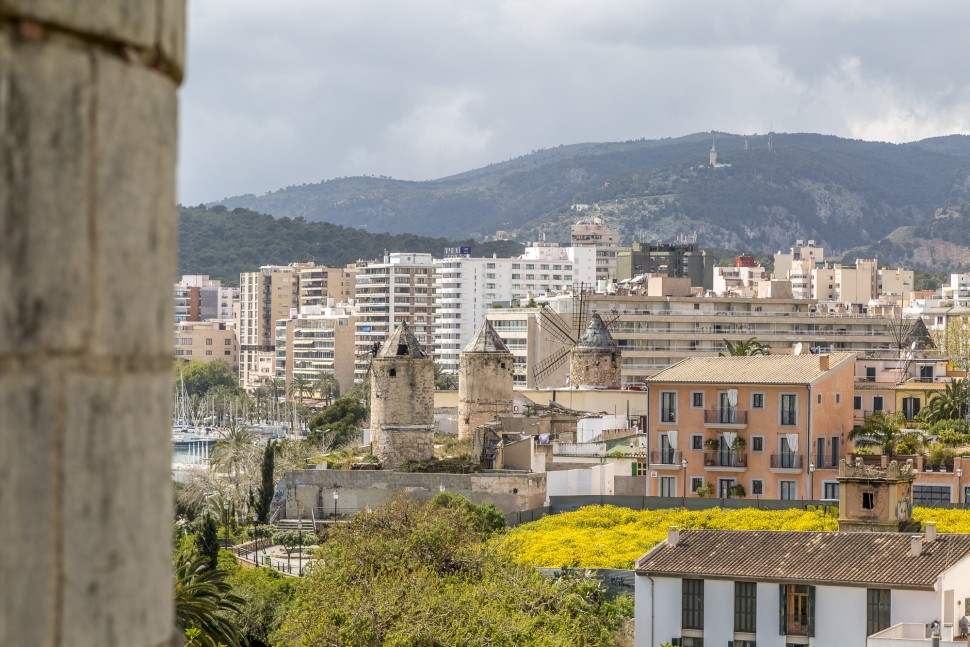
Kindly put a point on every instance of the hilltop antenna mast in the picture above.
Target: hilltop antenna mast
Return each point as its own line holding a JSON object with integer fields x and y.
{"x": 745, "y": 143}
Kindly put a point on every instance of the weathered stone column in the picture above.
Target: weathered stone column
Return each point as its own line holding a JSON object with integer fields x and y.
{"x": 87, "y": 244}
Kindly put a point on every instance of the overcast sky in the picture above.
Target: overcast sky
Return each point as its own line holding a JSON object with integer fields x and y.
{"x": 293, "y": 91}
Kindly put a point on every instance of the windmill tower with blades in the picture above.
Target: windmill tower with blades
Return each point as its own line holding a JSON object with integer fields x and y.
{"x": 593, "y": 355}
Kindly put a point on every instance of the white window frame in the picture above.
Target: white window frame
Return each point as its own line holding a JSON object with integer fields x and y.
{"x": 758, "y": 451}
{"x": 673, "y": 400}
{"x": 751, "y": 487}
{"x": 696, "y": 406}
{"x": 780, "y": 490}
{"x": 696, "y": 449}
{"x": 781, "y": 399}
{"x": 761, "y": 393}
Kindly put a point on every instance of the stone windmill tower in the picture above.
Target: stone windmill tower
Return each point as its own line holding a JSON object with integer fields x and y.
{"x": 595, "y": 360}
{"x": 484, "y": 381}
{"x": 402, "y": 400}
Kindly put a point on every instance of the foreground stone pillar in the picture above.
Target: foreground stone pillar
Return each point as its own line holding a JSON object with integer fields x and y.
{"x": 87, "y": 244}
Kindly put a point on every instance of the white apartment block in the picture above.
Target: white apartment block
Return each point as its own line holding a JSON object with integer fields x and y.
{"x": 740, "y": 280}
{"x": 399, "y": 289}
{"x": 593, "y": 232}
{"x": 466, "y": 288}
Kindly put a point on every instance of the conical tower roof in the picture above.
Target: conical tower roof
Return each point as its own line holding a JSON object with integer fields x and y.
{"x": 402, "y": 343}
{"x": 486, "y": 340}
{"x": 597, "y": 336}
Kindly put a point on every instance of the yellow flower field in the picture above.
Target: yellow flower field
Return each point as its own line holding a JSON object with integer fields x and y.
{"x": 612, "y": 537}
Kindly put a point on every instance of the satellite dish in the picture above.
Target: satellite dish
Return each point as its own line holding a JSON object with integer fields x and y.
{"x": 913, "y": 345}
{"x": 798, "y": 349}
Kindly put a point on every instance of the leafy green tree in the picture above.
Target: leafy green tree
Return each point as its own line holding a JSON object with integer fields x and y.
{"x": 327, "y": 387}
{"x": 264, "y": 595}
{"x": 745, "y": 348}
{"x": 291, "y": 540}
{"x": 885, "y": 431}
{"x": 488, "y": 519}
{"x": 339, "y": 423}
{"x": 267, "y": 485}
{"x": 201, "y": 377}
{"x": 207, "y": 541}
{"x": 202, "y": 600}
{"x": 411, "y": 574}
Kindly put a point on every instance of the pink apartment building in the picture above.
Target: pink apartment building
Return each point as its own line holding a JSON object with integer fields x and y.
{"x": 775, "y": 425}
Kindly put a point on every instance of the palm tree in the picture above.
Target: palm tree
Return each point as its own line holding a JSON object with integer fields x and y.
{"x": 951, "y": 404}
{"x": 885, "y": 431}
{"x": 745, "y": 348}
{"x": 202, "y": 603}
{"x": 327, "y": 387}
{"x": 300, "y": 386}
{"x": 234, "y": 452}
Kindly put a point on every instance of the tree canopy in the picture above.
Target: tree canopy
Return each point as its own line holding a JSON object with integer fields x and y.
{"x": 411, "y": 574}
{"x": 339, "y": 423}
{"x": 201, "y": 377}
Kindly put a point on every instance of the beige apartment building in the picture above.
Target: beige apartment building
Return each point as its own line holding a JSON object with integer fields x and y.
{"x": 655, "y": 332}
{"x": 265, "y": 297}
{"x": 776, "y": 425}
{"x": 315, "y": 341}
{"x": 593, "y": 232}
{"x": 206, "y": 341}
{"x": 318, "y": 283}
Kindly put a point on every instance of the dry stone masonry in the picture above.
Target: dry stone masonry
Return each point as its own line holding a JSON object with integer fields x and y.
{"x": 484, "y": 381}
{"x": 402, "y": 401}
{"x": 595, "y": 360}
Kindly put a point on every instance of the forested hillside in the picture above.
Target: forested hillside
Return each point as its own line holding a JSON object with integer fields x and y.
{"x": 843, "y": 193}
{"x": 223, "y": 243}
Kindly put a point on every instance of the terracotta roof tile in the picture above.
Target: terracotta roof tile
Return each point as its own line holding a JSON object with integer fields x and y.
{"x": 847, "y": 558}
{"x": 754, "y": 369}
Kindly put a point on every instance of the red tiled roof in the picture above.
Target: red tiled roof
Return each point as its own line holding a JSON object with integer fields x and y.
{"x": 846, "y": 558}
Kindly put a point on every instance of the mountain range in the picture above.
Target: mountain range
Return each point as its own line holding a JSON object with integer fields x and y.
{"x": 902, "y": 202}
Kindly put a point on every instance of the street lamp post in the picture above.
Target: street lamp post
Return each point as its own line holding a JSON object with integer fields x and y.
{"x": 683, "y": 499}
{"x": 811, "y": 481}
{"x": 225, "y": 507}
{"x": 300, "y": 530}
{"x": 336, "y": 495}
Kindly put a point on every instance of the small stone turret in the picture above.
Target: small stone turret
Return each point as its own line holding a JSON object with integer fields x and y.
{"x": 876, "y": 499}
{"x": 402, "y": 400}
{"x": 484, "y": 381}
{"x": 595, "y": 360}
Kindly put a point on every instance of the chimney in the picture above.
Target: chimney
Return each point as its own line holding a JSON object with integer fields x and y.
{"x": 915, "y": 545}
{"x": 823, "y": 362}
{"x": 930, "y": 532}
{"x": 673, "y": 536}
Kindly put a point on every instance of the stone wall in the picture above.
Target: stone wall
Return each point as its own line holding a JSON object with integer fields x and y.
{"x": 87, "y": 259}
{"x": 395, "y": 445}
{"x": 594, "y": 367}
{"x": 359, "y": 489}
{"x": 484, "y": 389}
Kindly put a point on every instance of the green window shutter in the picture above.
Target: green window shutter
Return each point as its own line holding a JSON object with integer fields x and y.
{"x": 730, "y": 643}
{"x": 782, "y": 611}
{"x": 634, "y": 466}
{"x": 811, "y": 611}
{"x": 676, "y": 642}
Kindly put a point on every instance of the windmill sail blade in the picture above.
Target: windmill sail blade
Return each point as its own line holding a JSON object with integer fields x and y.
{"x": 556, "y": 326}
{"x": 547, "y": 366}
{"x": 611, "y": 317}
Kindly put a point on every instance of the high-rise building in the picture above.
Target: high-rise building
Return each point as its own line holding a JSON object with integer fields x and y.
{"x": 206, "y": 341}
{"x": 317, "y": 340}
{"x": 199, "y": 298}
{"x": 400, "y": 289}
{"x": 264, "y": 297}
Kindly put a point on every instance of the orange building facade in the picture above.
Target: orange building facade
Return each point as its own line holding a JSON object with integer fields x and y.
{"x": 771, "y": 427}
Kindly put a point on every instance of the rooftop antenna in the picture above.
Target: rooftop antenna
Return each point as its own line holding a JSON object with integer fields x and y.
{"x": 745, "y": 143}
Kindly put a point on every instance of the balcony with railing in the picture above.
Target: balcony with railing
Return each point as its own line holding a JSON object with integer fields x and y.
{"x": 731, "y": 417}
{"x": 666, "y": 457}
{"x": 726, "y": 458}
{"x": 787, "y": 461}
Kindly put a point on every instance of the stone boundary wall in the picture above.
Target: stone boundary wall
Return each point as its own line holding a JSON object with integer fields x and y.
{"x": 510, "y": 492}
